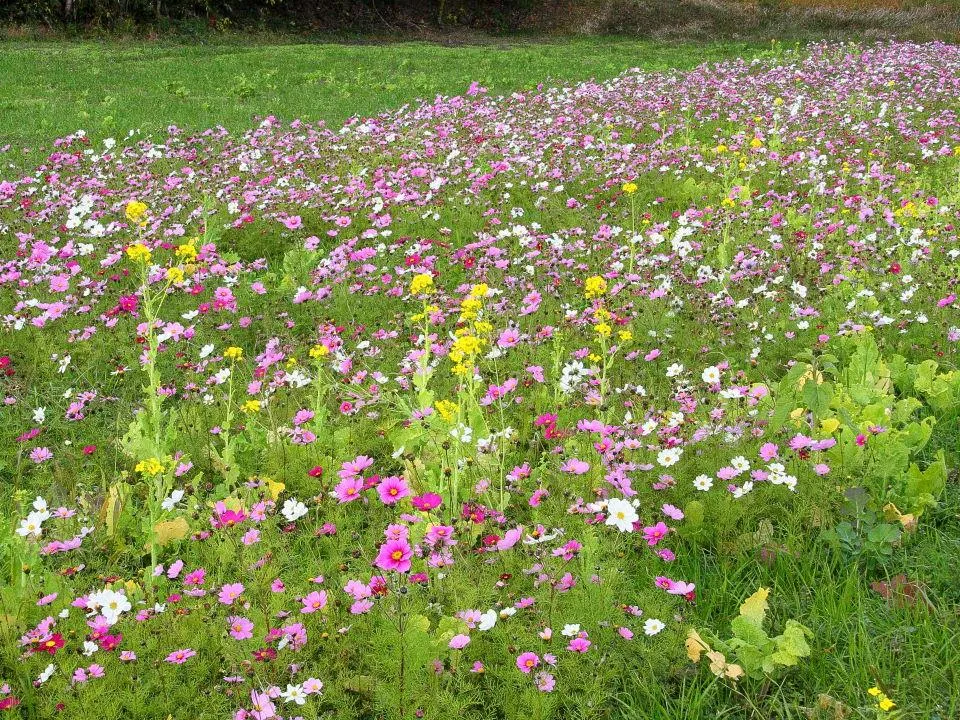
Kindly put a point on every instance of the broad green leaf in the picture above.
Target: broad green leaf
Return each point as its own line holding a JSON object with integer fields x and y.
{"x": 755, "y": 606}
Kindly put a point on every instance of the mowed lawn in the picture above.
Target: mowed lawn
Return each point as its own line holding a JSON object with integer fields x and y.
{"x": 49, "y": 89}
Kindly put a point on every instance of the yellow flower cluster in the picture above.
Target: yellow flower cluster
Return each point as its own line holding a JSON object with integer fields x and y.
{"x": 175, "y": 275}
{"x": 187, "y": 252}
{"x": 446, "y": 409}
{"x": 470, "y": 341}
{"x": 594, "y": 286}
{"x": 629, "y": 188}
{"x": 233, "y": 353}
{"x": 421, "y": 284}
{"x": 601, "y": 327}
{"x": 135, "y": 211}
{"x": 139, "y": 253}
{"x": 151, "y": 466}
{"x": 251, "y": 406}
{"x": 883, "y": 702}
{"x": 319, "y": 351}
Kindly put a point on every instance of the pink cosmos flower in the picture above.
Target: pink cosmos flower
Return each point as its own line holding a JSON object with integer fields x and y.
{"x": 348, "y": 489}
{"x": 317, "y": 600}
{"x": 508, "y": 338}
{"x": 458, "y": 642}
{"x": 394, "y": 555}
{"x": 575, "y": 466}
{"x": 545, "y": 682}
{"x": 240, "y": 628}
{"x": 768, "y": 451}
{"x": 655, "y": 533}
{"x": 355, "y": 467}
{"x": 179, "y": 657}
{"x": 527, "y": 661}
{"x": 229, "y": 593}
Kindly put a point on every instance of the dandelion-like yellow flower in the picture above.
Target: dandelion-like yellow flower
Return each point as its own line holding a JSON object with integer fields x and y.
{"x": 139, "y": 253}
{"x": 594, "y": 286}
{"x": 151, "y": 466}
{"x": 886, "y": 704}
{"x": 135, "y": 211}
{"x": 421, "y": 284}
{"x": 233, "y": 353}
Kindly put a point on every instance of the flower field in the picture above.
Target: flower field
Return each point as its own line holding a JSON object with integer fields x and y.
{"x": 635, "y": 398}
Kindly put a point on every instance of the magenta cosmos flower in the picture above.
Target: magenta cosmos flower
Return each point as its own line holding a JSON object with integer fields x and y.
{"x": 392, "y": 489}
{"x": 427, "y": 501}
{"x": 394, "y": 555}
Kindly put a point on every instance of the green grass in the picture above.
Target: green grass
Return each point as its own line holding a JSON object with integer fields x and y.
{"x": 51, "y": 89}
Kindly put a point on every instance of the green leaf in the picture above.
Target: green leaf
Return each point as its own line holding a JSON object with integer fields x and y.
{"x": 884, "y": 533}
{"x": 750, "y": 632}
{"x": 817, "y": 397}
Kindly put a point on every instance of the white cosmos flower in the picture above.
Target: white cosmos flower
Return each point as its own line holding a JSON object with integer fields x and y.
{"x": 674, "y": 370}
{"x": 171, "y": 502}
{"x": 703, "y": 482}
{"x": 294, "y": 694}
{"x": 711, "y": 375}
{"x": 487, "y": 620}
{"x": 652, "y": 626}
{"x": 669, "y": 456}
{"x": 621, "y": 515}
{"x": 293, "y": 509}
{"x": 45, "y": 675}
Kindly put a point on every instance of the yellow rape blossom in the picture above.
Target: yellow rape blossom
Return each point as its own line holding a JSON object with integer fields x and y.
{"x": 139, "y": 253}
{"x": 446, "y": 409}
{"x": 594, "y": 286}
{"x": 421, "y": 284}
{"x": 629, "y": 188}
{"x": 151, "y": 466}
{"x": 186, "y": 252}
{"x": 135, "y": 211}
{"x": 319, "y": 351}
{"x": 233, "y": 353}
